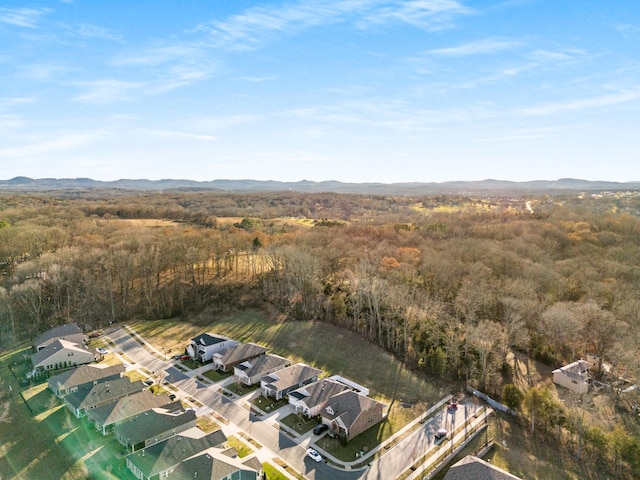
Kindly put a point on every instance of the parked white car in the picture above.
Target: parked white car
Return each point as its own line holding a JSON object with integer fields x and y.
{"x": 314, "y": 455}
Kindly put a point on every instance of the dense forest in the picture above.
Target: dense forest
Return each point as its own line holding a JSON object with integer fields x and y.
{"x": 455, "y": 287}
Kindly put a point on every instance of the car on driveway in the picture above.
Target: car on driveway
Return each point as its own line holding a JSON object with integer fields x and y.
{"x": 184, "y": 357}
{"x": 441, "y": 433}
{"x": 321, "y": 428}
{"x": 314, "y": 455}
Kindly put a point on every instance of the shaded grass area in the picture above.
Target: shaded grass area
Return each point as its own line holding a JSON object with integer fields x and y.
{"x": 216, "y": 375}
{"x": 269, "y": 404}
{"x": 52, "y": 443}
{"x": 241, "y": 389}
{"x": 299, "y": 423}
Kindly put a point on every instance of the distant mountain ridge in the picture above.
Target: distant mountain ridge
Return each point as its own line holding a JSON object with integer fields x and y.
{"x": 489, "y": 186}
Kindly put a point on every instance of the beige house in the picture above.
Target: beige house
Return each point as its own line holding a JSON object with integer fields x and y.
{"x": 575, "y": 376}
{"x": 61, "y": 354}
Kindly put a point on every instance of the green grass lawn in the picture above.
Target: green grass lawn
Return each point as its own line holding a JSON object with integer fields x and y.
{"x": 299, "y": 423}
{"x": 269, "y": 405}
{"x": 216, "y": 375}
{"x": 241, "y": 389}
{"x": 51, "y": 443}
{"x": 242, "y": 448}
{"x": 272, "y": 474}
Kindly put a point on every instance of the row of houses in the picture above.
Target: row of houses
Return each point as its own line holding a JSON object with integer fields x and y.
{"x": 160, "y": 436}
{"x": 342, "y": 405}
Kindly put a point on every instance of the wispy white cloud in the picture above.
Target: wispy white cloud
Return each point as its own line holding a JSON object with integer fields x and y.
{"x": 600, "y": 101}
{"x": 61, "y": 142}
{"x": 258, "y": 79}
{"x": 22, "y": 17}
{"x": 89, "y": 30}
{"x": 159, "y": 55}
{"x": 479, "y": 47}
{"x": 103, "y": 91}
{"x": 9, "y": 102}
{"x": 178, "y": 135}
{"x": 426, "y": 14}
{"x": 258, "y": 24}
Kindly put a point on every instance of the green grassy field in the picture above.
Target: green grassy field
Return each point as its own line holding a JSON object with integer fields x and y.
{"x": 40, "y": 439}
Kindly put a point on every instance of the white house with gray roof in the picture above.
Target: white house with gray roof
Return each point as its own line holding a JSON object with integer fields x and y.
{"x": 154, "y": 425}
{"x": 235, "y": 355}
{"x": 70, "y": 332}
{"x": 107, "y": 416}
{"x": 101, "y": 394}
{"x": 62, "y": 354}
{"x": 83, "y": 378}
{"x": 202, "y": 347}
{"x": 252, "y": 371}
{"x": 281, "y": 382}
{"x": 310, "y": 399}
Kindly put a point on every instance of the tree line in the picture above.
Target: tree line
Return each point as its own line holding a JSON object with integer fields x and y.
{"x": 453, "y": 286}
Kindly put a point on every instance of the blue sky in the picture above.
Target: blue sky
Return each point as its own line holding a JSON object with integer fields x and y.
{"x": 349, "y": 90}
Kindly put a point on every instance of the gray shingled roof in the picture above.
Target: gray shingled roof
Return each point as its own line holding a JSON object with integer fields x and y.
{"x": 471, "y": 467}
{"x": 58, "y": 332}
{"x": 84, "y": 374}
{"x": 212, "y": 465}
{"x": 126, "y": 407}
{"x": 169, "y": 453}
{"x": 208, "y": 339}
{"x": 348, "y": 405}
{"x": 104, "y": 392}
{"x": 318, "y": 393}
{"x": 290, "y": 376}
{"x": 241, "y": 352}
{"x": 154, "y": 422}
{"x": 263, "y": 364}
{"x": 54, "y": 347}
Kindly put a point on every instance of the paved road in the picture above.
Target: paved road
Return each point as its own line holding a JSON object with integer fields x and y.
{"x": 387, "y": 467}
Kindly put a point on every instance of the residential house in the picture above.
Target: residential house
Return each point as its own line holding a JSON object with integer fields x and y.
{"x": 101, "y": 394}
{"x": 160, "y": 459}
{"x": 154, "y": 425}
{"x": 310, "y": 399}
{"x": 106, "y": 417}
{"x": 215, "y": 465}
{"x": 475, "y": 468}
{"x": 61, "y": 354}
{"x": 349, "y": 413}
{"x": 281, "y": 382}
{"x": 203, "y": 346}
{"x": 575, "y": 376}
{"x": 83, "y": 378}
{"x": 70, "y": 332}
{"x": 251, "y": 371}
{"x": 225, "y": 361}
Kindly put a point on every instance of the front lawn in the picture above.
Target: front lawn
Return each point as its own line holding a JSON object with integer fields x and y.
{"x": 216, "y": 375}
{"x": 241, "y": 389}
{"x": 299, "y": 423}
{"x": 269, "y": 404}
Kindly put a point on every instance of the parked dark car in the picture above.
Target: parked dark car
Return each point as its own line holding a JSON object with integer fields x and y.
{"x": 320, "y": 428}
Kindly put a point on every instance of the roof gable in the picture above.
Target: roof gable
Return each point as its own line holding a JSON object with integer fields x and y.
{"x": 58, "y": 332}
{"x": 155, "y": 421}
{"x": 477, "y": 469}
{"x": 167, "y": 454}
